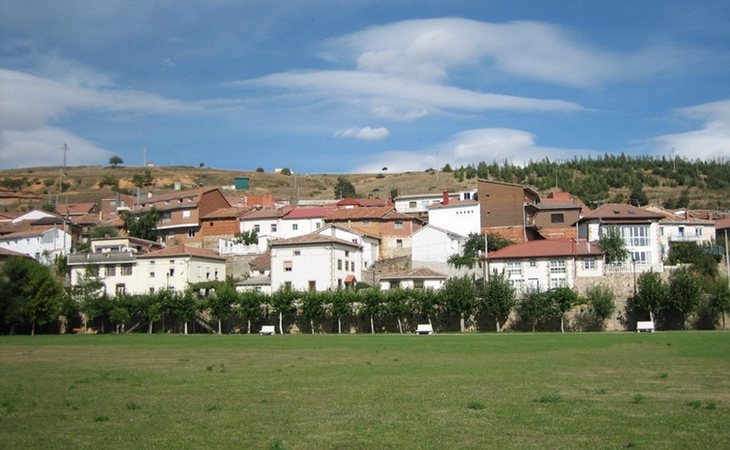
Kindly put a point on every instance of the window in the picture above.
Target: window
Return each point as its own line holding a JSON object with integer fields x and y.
{"x": 557, "y": 218}
{"x": 698, "y": 232}
{"x": 557, "y": 266}
{"x": 339, "y": 283}
{"x": 172, "y": 271}
{"x": 399, "y": 243}
{"x": 191, "y": 233}
{"x": 120, "y": 289}
{"x": 533, "y": 284}
{"x": 533, "y": 263}
{"x": 589, "y": 263}
{"x": 339, "y": 264}
{"x": 418, "y": 284}
{"x": 110, "y": 271}
{"x": 312, "y": 286}
{"x": 557, "y": 283}
{"x": 297, "y": 252}
{"x": 152, "y": 273}
{"x": 317, "y": 225}
{"x": 399, "y": 225}
{"x": 394, "y": 284}
{"x": 273, "y": 228}
{"x": 288, "y": 266}
{"x": 636, "y": 235}
{"x": 294, "y": 226}
{"x": 514, "y": 268}
{"x": 126, "y": 270}
{"x": 257, "y": 228}
{"x": 152, "y": 290}
{"x": 166, "y": 216}
{"x": 215, "y": 274}
{"x": 347, "y": 266}
{"x": 516, "y": 284}
{"x": 186, "y": 214}
{"x": 412, "y": 204}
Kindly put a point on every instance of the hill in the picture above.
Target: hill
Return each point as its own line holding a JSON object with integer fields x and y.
{"x": 673, "y": 183}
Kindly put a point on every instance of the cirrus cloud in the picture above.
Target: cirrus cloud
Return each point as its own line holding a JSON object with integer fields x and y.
{"x": 365, "y": 134}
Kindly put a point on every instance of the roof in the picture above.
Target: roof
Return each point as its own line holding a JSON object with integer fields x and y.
{"x": 362, "y": 202}
{"x": 454, "y": 204}
{"x": 441, "y": 230}
{"x": 722, "y": 224}
{"x": 418, "y": 196}
{"x": 371, "y": 213}
{"x": 421, "y": 272}
{"x": 670, "y": 217}
{"x": 5, "y": 253}
{"x": 349, "y": 230}
{"x": 26, "y": 234}
{"x": 227, "y": 213}
{"x": 525, "y": 187}
{"x": 75, "y": 209}
{"x": 548, "y": 248}
{"x": 261, "y": 280}
{"x": 261, "y": 262}
{"x": 309, "y": 213}
{"x": 313, "y": 239}
{"x": 183, "y": 250}
{"x": 619, "y": 211}
{"x": 266, "y": 213}
{"x": 85, "y": 219}
{"x": 173, "y": 196}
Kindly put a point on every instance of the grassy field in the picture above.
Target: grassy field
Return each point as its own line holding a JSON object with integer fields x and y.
{"x": 621, "y": 390}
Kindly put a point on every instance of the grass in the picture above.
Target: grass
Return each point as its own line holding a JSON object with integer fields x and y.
{"x": 362, "y": 391}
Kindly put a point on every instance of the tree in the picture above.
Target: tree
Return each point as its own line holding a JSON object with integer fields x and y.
{"x": 93, "y": 301}
{"x": 562, "y": 300}
{"x": 637, "y": 196}
{"x": 282, "y": 301}
{"x": 397, "y": 305}
{"x": 372, "y": 305}
{"x": 534, "y": 307}
{"x": 651, "y": 293}
{"x": 146, "y": 179}
{"x": 115, "y": 161}
{"x": 184, "y": 305}
{"x": 313, "y": 307}
{"x": 341, "y": 303}
{"x": 613, "y": 245}
{"x": 285, "y": 171}
{"x": 447, "y": 168}
{"x": 104, "y": 232}
{"x": 600, "y": 300}
{"x": 221, "y": 303}
{"x": 249, "y": 307}
{"x": 246, "y": 237}
{"x": 460, "y": 297}
{"x": 344, "y": 188}
{"x": 720, "y": 300}
{"x": 141, "y": 225}
{"x": 685, "y": 293}
{"x": 426, "y": 302}
{"x": 497, "y": 298}
{"x": 474, "y": 248}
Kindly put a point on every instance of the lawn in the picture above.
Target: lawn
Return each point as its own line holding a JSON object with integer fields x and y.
{"x": 577, "y": 390}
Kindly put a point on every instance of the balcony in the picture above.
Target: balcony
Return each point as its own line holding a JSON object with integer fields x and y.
{"x": 683, "y": 237}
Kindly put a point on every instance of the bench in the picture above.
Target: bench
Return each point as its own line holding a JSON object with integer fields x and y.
{"x": 267, "y": 330}
{"x": 424, "y": 328}
{"x": 647, "y": 325}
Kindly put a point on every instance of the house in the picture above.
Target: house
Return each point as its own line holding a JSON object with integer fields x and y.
{"x": 123, "y": 267}
{"x": 260, "y": 279}
{"x": 555, "y": 216}
{"x": 417, "y": 204}
{"x": 6, "y": 254}
{"x": 180, "y": 213}
{"x": 370, "y": 243}
{"x": 675, "y": 229}
{"x": 315, "y": 262}
{"x": 458, "y": 216}
{"x": 301, "y": 221}
{"x": 638, "y": 227}
{"x": 546, "y": 264}
{"x": 722, "y": 230}
{"x": 393, "y": 228}
{"x": 110, "y": 207}
{"x": 502, "y": 209}
{"x": 41, "y": 243}
{"x": 222, "y": 223}
{"x": 264, "y": 222}
{"x": 432, "y": 246}
{"x": 420, "y": 278}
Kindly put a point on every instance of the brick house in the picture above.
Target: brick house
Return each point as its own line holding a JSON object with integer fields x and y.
{"x": 222, "y": 223}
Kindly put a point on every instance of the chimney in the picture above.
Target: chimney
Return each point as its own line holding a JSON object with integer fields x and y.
{"x": 445, "y": 200}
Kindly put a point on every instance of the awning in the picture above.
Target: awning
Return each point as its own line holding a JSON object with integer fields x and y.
{"x": 350, "y": 279}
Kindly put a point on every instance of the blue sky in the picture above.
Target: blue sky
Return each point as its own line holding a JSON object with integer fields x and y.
{"x": 341, "y": 86}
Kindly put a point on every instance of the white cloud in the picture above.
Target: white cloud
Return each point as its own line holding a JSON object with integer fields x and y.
{"x": 31, "y": 104}
{"x": 402, "y": 97}
{"x": 365, "y": 134}
{"x": 471, "y": 147}
{"x": 710, "y": 141}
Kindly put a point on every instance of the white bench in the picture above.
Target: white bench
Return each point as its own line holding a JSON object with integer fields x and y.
{"x": 267, "y": 330}
{"x": 646, "y": 325}
{"x": 424, "y": 328}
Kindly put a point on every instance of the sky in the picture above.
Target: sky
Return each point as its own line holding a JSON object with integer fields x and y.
{"x": 340, "y": 86}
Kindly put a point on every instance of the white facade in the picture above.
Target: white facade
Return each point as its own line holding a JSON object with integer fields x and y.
{"x": 671, "y": 232}
{"x": 428, "y": 283}
{"x": 33, "y": 215}
{"x": 641, "y": 240}
{"x": 299, "y": 227}
{"x": 545, "y": 273}
{"x": 432, "y": 244}
{"x": 122, "y": 272}
{"x": 419, "y": 203}
{"x": 370, "y": 245}
{"x": 43, "y": 245}
{"x": 462, "y": 218}
{"x": 319, "y": 265}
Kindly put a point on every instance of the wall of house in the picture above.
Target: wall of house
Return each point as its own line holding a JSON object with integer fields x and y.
{"x": 211, "y": 201}
{"x": 42, "y": 248}
{"x": 501, "y": 204}
{"x": 318, "y": 263}
{"x": 459, "y": 219}
{"x": 410, "y": 284}
{"x": 299, "y": 227}
{"x": 370, "y": 246}
{"x": 543, "y": 218}
{"x": 432, "y": 245}
{"x": 536, "y": 273}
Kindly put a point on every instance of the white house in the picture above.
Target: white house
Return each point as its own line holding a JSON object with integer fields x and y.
{"x": 432, "y": 246}
{"x": 421, "y": 278}
{"x": 301, "y": 221}
{"x": 123, "y": 271}
{"x": 41, "y": 244}
{"x": 315, "y": 262}
{"x": 260, "y": 275}
{"x": 638, "y": 227}
{"x": 547, "y": 264}
{"x": 370, "y": 243}
{"x": 419, "y": 203}
{"x": 675, "y": 228}
{"x": 459, "y": 216}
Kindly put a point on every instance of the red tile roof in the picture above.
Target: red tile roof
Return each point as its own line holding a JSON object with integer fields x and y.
{"x": 309, "y": 213}
{"x": 228, "y": 213}
{"x": 548, "y": 248}
{"x": 421, "y": 272}
{"x": 183, "y": 250}
{"x": 371, "y": 213}
{"x": 75, "y": 209}
{"x": 261, "y": 262}
{"x": 453, "y": 203}
{"x": 26, "y": 234}
{"x": 266, "y": 213}
{"x": 312, "y": 238}
{"x": 5, "y": 253}
{"x": 618, "y": 211}
{"x": 722, "y": 223}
